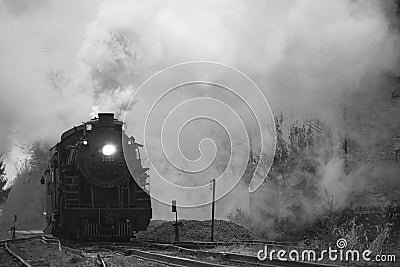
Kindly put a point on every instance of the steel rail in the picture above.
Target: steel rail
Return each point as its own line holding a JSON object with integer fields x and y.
{"x": 56, "y": 241}
{"x": 238, "y": 258}
{"x": 15, "y": 255}
{"x": 127, "y": 249}
{"x": 241, "y": 258}
{"x": 170, "y": 260}
{"x": 19, "y": 239}
{"x": 256, "y": 241}
{"x": 100, "y": 261}
{"x": 275, "y": 262}
{"x": 201, "y": 244}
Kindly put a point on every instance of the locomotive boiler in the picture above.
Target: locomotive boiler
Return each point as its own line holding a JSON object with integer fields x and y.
{"x": 91, "y": 192}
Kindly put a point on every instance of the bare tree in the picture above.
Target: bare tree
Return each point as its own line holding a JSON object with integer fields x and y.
{"x": 3, "y": 181}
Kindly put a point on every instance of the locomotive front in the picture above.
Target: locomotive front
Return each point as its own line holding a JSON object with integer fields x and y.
{"x": 91, "y": 192}
{"x": 99, "y": 156}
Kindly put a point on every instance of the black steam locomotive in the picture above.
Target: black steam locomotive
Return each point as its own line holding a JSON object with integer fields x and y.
{"x": 91, "y": 194}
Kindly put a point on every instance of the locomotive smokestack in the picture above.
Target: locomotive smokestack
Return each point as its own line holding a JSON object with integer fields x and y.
{"x": 106, "y": 119}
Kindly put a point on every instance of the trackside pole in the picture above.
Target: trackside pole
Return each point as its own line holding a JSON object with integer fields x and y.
{"x": 176, "y": 220}
{"x": 212, "y": 210}
{"x": 13, "y": 228}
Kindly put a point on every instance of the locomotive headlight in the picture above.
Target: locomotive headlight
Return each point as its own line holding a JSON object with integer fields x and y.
{"x": 108, "y": 150}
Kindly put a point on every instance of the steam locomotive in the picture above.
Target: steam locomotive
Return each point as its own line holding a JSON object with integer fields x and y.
{"x": 91, "y": 192}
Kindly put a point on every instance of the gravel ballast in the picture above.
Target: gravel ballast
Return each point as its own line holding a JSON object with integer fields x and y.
{"x": 193, "y": 230}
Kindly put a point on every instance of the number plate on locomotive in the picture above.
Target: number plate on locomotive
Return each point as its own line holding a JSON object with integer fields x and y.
{"x": 108, "y": 158}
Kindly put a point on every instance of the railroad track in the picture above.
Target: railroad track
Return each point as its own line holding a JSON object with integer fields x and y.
{"x": 9, "y": 258}
{"x": 166, "y": 253}
{"x": 171, "y": 254}
{"x": 171, "y": 260}
{"x": 17, "y": 252}
{"x": 103, "y": 254}
{"x": 197, "y": 244}
{"x": 204, "y": 245}
{"x": 230, "y": 258}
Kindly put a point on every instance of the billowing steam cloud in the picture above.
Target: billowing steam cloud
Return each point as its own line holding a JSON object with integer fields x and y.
{"x": 305, "y": 55}
{"x": 42, "y": 93}
{"x": 300, "y": 52}
{"x": 38, "y": 78}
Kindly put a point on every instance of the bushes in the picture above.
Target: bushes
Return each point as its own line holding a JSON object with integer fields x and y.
{"x": 199, "y": 231}
{"x": 3, "y": 181}
{"x": 27, "y": 196}
{"x": 240, "y": 217}
{"x": 290, "y": 197}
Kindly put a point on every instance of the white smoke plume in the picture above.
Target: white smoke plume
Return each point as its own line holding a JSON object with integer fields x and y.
{"x": 63, "y": 61}
{"x": 305, "y": 55}
{"x": 40, "y": 85}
